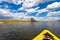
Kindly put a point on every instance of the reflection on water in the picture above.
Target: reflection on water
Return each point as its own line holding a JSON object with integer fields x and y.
{"x": 27, "y": 30}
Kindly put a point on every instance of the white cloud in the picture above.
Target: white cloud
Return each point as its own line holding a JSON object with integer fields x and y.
{"x": 53, "y": 13}
{"x": 7, "y": 13}
{"x": 48, "y": 18}
{"x": 13, "y": 1}
{"x": 47, "y": 9}
{"x": 32, "y": 10}
{"x": 50, "y": 6}
{"x": 50, "y": 14}
{"x": 31, "y": 3}
{"x": 53, "y": 5}
{"x": 28, "y": 4}
{"x": 17, "y": 2}
{"x": 41, "y": 11}
{"x": 51, "y": 18}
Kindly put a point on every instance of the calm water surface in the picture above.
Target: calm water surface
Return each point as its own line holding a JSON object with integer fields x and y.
{"x": 27, "y": 30}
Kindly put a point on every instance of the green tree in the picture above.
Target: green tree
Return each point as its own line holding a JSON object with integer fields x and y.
{"x": 58, "y": 20}
{"x": 33, "y": 20}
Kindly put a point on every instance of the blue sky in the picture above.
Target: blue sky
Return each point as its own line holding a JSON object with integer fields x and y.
{"x": 40, "y": 9}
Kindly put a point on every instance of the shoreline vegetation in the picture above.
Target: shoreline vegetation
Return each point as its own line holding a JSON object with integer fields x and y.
{"x": 58, "y": 20}
{"x": 19, "y": 21}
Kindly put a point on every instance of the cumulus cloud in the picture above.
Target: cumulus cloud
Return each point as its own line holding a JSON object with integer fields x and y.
{"x": 54, "y": 5}
{"x": 24, "y": 1}
{"x": 17, "y": 2}
{"x": 50, "y": 13}
{"x": 31, "y": 10}
{"x": 30, "y": 3}
{"x": 41, "y": 11}
{"x": 48, "y": 18}
{"x": 7, "y": 13}
{"x": 51, "y": 18}
{"x": 53, "y": 13}
{"x": 27, "y": 6}
{"x": 50, "y": 6}
{"x": 47, "y": 9}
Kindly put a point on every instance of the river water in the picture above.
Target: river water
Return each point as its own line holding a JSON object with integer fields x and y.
{"x": 27, "y": 30}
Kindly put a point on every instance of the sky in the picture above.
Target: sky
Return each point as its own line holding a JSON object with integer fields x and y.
{"x": 26, "y": 9}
